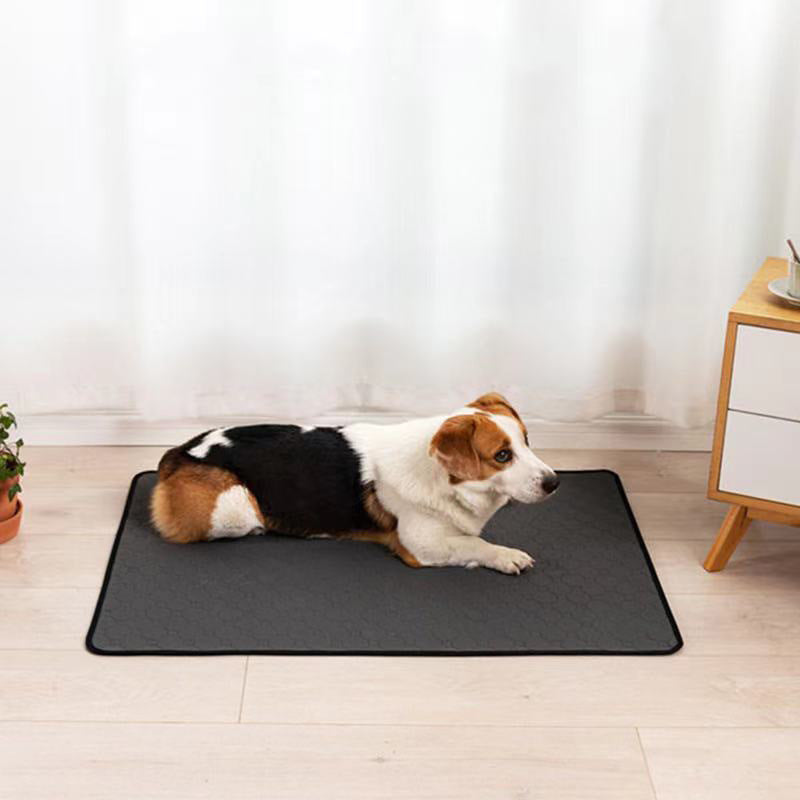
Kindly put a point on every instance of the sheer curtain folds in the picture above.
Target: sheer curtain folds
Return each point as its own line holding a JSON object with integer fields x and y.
{"x": 285, "y": 208}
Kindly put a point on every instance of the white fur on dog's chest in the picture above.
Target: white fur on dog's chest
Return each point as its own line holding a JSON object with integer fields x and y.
{"x": 407, "y": 479}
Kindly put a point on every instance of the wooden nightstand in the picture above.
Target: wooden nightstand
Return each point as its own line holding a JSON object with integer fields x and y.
{"x": 755, "y": 463}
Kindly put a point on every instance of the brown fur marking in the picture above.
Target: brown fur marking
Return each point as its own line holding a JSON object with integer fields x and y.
{"x": 384, "y": 520}
{"x": 495, "y": 403}
{"x": 466, "y": 444}
{"x": 184, "y": 499}
{"x": 388, "y": 539}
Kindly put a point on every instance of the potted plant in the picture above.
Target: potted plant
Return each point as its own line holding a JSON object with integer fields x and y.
{"x": 11, "y": 468}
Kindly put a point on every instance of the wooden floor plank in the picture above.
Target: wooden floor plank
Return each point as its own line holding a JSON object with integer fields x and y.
{"x": 755, "y": 569}
{"x": 73, "y": 511}
{"x": 77, "y": 685}
{"x": 45, "y": 619}
{"x": 676, "y": 515}
{"x": 752, "y": 764}
{"x": 691, "y": 515}
{"x": 738, "y": 624}
{"x": 555, "y": 690}
{"x": 640, "y": 470}
{"x": 81, "y": 467}
{"x": 158, "y": 762}
{"x": 54, "y": 561}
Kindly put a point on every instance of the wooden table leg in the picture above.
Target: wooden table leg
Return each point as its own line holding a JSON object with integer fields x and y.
{"x": 730, "y": 534}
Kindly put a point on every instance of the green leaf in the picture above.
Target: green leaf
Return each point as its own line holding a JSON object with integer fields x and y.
{"x": 13, "y": 491}
{"x": 19, "y": 443}
{"x": 3, "y": 434}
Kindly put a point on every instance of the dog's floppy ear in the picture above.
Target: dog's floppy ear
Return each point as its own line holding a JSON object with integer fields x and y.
{"x": 452, "y": 446}
{"x": 494, "y": 403}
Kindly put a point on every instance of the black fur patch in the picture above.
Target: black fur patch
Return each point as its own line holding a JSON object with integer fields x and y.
{"x": 304, "y": 482}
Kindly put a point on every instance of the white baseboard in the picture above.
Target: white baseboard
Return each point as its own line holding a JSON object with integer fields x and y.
{"x": 613, "y": 432}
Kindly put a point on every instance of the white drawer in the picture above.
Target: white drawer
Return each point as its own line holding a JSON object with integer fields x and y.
{"x": 761, "y": 458}
{"x": 766, "y": 372}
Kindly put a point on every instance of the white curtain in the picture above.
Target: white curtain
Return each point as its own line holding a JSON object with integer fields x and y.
{"x": 283, "y": 208}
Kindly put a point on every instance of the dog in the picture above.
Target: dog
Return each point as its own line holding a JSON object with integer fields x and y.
{"x": 424, "y": 489}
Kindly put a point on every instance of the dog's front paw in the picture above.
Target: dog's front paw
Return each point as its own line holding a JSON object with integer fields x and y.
{"x": 509, "y": 560}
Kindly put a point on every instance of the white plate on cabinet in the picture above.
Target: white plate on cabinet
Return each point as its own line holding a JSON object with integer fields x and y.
{"x": 779, "y": 286}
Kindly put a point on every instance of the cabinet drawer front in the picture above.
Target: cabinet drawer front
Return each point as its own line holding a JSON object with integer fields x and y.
{"x": 761, "y": 458}
{"x": 766, "y": 372}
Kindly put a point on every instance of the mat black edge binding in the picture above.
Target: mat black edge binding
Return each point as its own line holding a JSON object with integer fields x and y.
{"x": 92, "y": 648}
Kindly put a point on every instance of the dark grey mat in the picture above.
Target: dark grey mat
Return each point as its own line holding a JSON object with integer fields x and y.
{"x": 593, "y": 589}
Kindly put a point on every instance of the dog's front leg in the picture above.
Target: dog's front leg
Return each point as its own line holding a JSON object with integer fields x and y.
{"x": 437, "y": 543}
{"x": 472, "y": 551}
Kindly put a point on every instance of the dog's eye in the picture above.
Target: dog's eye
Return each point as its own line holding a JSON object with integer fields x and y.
{"x": 503, "y": 456}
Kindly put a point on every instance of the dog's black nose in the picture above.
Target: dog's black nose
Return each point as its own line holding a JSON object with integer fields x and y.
{"x": 550, "y": 482}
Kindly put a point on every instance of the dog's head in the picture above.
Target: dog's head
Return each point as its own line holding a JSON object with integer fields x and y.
{"x": 488, "y": 449}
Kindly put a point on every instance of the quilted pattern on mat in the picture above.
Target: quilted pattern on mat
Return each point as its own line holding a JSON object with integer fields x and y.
{"x": 592, "y": 589}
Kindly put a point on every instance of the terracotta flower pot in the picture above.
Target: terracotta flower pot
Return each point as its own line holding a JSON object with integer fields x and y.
{"x": 10, "y": 511}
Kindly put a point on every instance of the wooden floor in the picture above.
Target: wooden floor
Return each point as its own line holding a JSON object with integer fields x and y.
{"x": 721, "y": 719}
